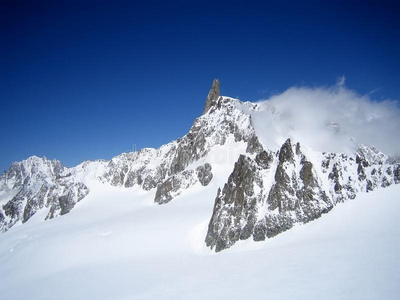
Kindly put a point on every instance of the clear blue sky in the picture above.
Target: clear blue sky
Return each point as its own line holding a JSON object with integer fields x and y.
{"x": 88, "y": 79}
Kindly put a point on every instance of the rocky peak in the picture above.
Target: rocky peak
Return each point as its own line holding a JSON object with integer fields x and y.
{"x": 213, "y": 96}
{"x": 38, "y": 183}
{"x": 269, "y": 193}
{"x": 235, "y": 206}
{"x": 30, "y": 170}
{"x": 286, "y": 152}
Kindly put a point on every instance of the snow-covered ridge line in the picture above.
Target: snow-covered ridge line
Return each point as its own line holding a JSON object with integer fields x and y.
{"x": 275, "y": 182}
{"x": 40, "y": 184}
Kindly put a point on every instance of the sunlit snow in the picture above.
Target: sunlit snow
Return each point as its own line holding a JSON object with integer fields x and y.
{"x": 117, "y": 244}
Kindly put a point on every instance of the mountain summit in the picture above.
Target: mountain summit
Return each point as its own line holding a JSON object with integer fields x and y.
{"x": 257, "y": 171}
{"x": 213, "y": 96}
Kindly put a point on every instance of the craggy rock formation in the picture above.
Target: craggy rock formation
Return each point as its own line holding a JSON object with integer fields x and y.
{"x": 175, "y": 184}
{"x": 235, "y": 209}
{"x": 165, "y": 167}
{"x": 38, "y": 183}
{"x": 213, "y": 96}
{"x": 204, "y": 174}
{"x": 267, "y": 194}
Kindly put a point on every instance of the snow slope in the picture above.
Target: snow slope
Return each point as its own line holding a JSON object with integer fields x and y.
{"x": 130, "y": 248}
{"x": 118, "y": 243}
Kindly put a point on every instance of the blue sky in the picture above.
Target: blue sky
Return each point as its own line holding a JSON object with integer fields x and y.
{"x": 88, "y": 79}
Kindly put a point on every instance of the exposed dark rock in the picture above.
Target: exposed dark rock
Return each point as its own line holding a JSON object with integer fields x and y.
{"x": 65, "y": 202}
{"x": 362, "y": 164}
{"x": 278, "y": 197}
{"x": 335, "y": 176}
{"x": 260, "y": 233}
{"x": 264, "y": 159}
{"x": 204, "y": 174}
{"x": 254, "y": 145}
{"x": 281, "y": 193}
{"x": 213, "y": 96}
{"x": 246, "y": 208}
{"x": 370, "y": 186}
{"x": 163, "y": 193}
{"x": 286, "y": 152}
{"x": 298, "y": 151}
{"x": 174, "y": 185}
{"x": 149, "y": 183}
{"x": 132, "y": 178}
{"x": 307, "y": 175}
{"x": 277, "y": 224}
{"x": 396, "y": 173}
{"x": 30, "y": 208}
{"x": 234, "y": 206}
{"x": 13, "y": 208}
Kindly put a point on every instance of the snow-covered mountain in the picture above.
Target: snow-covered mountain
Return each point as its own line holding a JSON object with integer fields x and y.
{"x": 272, "y": 179}
{"x": 148, "y": 224}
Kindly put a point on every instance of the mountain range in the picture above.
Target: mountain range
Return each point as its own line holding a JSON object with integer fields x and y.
{"x": 273, "y": 180}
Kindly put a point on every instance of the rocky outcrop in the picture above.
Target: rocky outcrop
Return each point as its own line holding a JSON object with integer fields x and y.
{"x": 204, "y": 174}
{"x": 235, "y": 209}
{"x": 38, "y": 183}
{"x": 159, "y": 168}
{"x": 213, "y": 96}
{"x": 254, "y": 145}
{"x": 269, "y": 193}
{"x": 176, "y": 184}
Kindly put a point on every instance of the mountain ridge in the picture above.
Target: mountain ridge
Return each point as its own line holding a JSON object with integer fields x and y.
{"x": 269, "y": 190}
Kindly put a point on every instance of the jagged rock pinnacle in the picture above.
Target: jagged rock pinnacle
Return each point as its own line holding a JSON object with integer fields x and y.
{"x": 213, "y": 96}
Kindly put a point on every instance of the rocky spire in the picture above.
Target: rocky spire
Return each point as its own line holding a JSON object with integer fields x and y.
{"x": 213, "y": 96}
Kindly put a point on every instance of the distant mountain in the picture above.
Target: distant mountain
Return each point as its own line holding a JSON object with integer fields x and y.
{"x": 275, "y": 180}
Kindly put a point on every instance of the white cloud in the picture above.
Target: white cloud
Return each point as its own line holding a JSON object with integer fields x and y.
{"x": 327, "y": 119}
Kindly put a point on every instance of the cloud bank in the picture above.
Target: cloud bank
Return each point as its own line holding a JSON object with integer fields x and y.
{"x": 334, "y": 119}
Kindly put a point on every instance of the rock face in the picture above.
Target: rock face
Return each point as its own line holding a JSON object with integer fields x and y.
{"x": 235, "y": 207}
{"x": 166, "y": 168}
{"x": 213, "y": 96}
{"x": 34, "y": 184}
{"x": 175, "y": 184}
{"x": 204, "y": 174}
{"x": 269, "y": 193}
